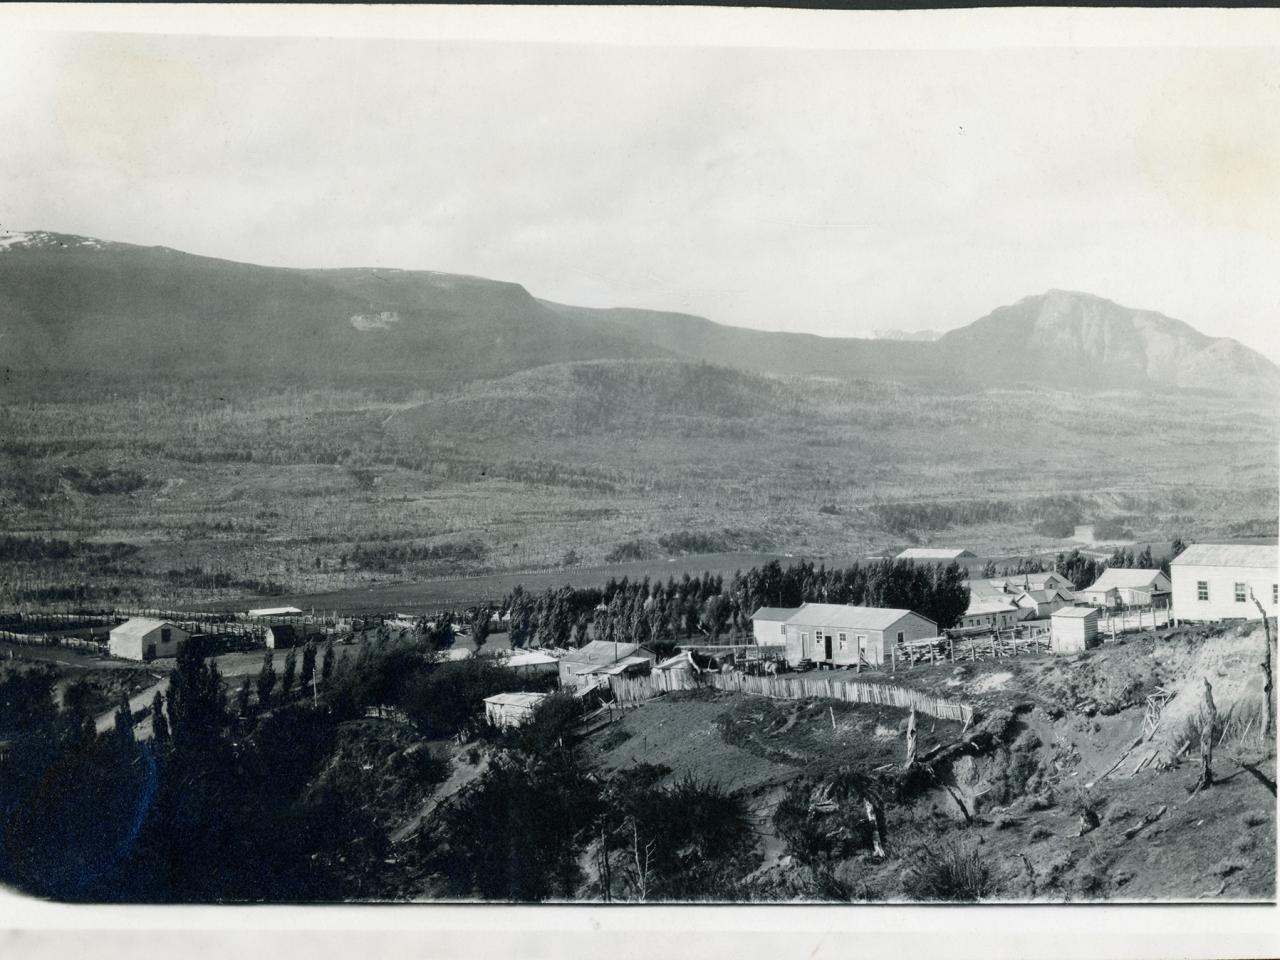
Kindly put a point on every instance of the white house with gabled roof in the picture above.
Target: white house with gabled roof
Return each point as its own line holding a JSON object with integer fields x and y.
{"x": 1219, "y": 581}
{"x": 838, "y": 633}
{"x": 145, "y": 638}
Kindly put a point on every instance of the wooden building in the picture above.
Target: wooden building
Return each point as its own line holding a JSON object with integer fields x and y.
{"x": 1129, "y": 587}
{"x": 989, "y": 613}
{"x": 578, "y": 667}
{"x": 511, "y": 709}
{"x": 838, "y": 634}
{"x": 1073, "y": 629}
{"x": 142, "y": 638}
{"x": 768, "y": 625}
{"x": 1218, "y": 581}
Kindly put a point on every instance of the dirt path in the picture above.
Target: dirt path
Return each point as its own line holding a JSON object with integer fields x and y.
{"x": 105, "y": 721}
{"x": 462, "y": 775}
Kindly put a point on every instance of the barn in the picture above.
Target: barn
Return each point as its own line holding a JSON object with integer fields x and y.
{"x": 1219, "y": 581}
{"x": 768, "y": 625}
{"x": 511, "y": 709}
{"x": 1130, "y": 587}
{"x": 935, "y": 555}
{"x": 837, "y": 633}
{"x": 1073, "y": 629}
{"x": 143, "y": 638}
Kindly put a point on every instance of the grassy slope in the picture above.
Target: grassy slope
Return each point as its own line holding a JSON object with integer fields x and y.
{"x": 1219, "y": 842}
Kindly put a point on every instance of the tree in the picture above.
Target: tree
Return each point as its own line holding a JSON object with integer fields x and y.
{"x": 242, "y": 698}
{"x": 1269, "y": 718}
{"x": 290, "y": 670}
{"x": 308, "y": 671}
{"x": 481, "y": 626}
{"x": 1208, "y": 720}
{"x": 159, "y": 722}
{"x": 266, "y": 680}
{"x": 326, "y": 665}
{"x": 124, "y": 721}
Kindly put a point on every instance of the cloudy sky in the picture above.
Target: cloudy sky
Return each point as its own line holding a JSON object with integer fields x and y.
{"x": 831, "y": 191}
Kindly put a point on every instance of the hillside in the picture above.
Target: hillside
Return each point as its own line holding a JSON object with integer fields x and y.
{"x": 72, "y": 305}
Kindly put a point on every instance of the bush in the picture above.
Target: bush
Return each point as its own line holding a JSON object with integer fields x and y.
{"x": 949, "y": 870}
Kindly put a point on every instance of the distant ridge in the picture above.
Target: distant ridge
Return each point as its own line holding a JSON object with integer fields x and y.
{"x": 71, "y": 304}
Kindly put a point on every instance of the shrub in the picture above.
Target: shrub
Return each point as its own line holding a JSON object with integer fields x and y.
{"x": 1040, "y": 832}
{"x": 1254, "y": 819}
{"x": 949, "y": 870}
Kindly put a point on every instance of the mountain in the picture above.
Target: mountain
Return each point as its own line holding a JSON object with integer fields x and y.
{"x": 73, "y": 305}
{"x": 907, "y": 334}
{"x": 1067, "y": 337}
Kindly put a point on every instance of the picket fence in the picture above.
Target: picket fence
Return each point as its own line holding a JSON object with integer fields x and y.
{"x": 635, "y": 689}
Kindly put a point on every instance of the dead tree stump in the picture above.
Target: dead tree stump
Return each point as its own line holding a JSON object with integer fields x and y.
{"x": 1209, "y": 720}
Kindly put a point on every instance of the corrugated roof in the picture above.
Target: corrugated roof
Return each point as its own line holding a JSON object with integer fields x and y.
{"x": 139, "y": 627}
{"x": 850, "y": 617}
{"x": 931, "y": 553}
{"x": 600, "y": 651}
{"x": 1228, "y": 555}
{"x": 1074, "y": 613}
{"x": 275, "y": 612}
{"x": 1127, "y": 578}
{"x": 774, "y": 613}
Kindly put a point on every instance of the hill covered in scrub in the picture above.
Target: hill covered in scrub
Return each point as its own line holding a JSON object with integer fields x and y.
{"x": 71, "y": 304}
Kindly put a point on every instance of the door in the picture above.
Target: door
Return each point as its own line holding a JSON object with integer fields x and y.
{"x": 827, "y": 648}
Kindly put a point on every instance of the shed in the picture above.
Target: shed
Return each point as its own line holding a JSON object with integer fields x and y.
{"x": 1132, "y": 587}
{"x": 576, "y": 666}
{"x": 1037, "y": 604}
{"x": 839, "y": 633}
{"x": 1219, "y": 581}
{"x": 1073, "y": 629}
{"x": 144, "y": 638}
{"x": 935, "y": 554}
{"x": 768, "y": 625}
{"x": 505, "y": 710}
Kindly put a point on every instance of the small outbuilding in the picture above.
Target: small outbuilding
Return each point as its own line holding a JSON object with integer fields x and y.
{"x": 1073, "y": 629}
{"x": 144, "y": 638}
{"x": 505, "y": 710}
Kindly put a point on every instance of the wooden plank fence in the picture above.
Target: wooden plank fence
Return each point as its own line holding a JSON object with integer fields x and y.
{"x": 634, "y": 689}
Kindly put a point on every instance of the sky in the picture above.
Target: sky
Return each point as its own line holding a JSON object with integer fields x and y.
{"x": 835, "y": 191}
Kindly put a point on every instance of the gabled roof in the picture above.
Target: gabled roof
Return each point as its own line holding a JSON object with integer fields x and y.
{"x": 849, "y": 617}
{"x": 1263, "y": 556}
{"x": 138, "y": 627}
{"x": 599, "y": 652}
{"x": 774, "y": 613}
{"x": 529, "y": 700}
{"x": 1074, "y": 613}
{"x": 1124, "y": 578}
{"x": 936, "y": 553}
{"x": 682, "y": 659}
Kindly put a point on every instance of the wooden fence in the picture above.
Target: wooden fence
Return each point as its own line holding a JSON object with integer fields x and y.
{"x": 634, "y": 689}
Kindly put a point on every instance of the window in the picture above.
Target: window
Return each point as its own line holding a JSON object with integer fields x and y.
{"x": 165, "y": 634}
{"x": 1242, "y": 593}
{"x": 901, "y": 636}
{"x": 1275, "y": 593}
{"x": 782, "y": 629}
{"x": 1202, "y": 590}
{"x": 844, "y": 641}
